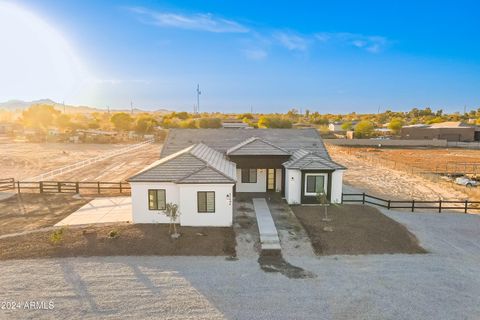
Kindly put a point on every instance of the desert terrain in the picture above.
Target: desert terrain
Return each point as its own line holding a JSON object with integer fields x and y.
{"x": 387, "y": 173}
{"x": 25, "y": 160}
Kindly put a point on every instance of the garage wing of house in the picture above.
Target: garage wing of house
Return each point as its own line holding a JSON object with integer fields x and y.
{"x": 201, "y": 170}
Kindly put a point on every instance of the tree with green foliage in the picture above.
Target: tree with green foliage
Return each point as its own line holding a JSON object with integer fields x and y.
{"x": 274, "y": 122}
{"x": 122, "y": 121}
{"x": 347, "y": 126}
{"x": 210, "y": 123}
{"x": 145, "y": 124}
{"x": 364, "y": 129}
{"x": 395, "y": 125}
{"x": 39, "y": 116}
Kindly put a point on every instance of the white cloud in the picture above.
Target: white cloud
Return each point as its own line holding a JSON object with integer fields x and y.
{"x": 373, "y": 44}
{"x": 197, "y": 21}
{"x": 292, "y": 41}
{"x": 255, "y": 54}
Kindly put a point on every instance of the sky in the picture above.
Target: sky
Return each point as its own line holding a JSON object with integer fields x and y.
{"x": 265, "y": 56}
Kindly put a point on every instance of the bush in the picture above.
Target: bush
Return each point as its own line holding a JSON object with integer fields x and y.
{"x": 113, "y": 234}
{"x": 274, "y": 122}
{"x": 211, "y": 123}
{"x": 57, "y": 236}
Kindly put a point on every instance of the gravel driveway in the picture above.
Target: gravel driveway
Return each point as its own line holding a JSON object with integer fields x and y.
{"x": 442, "y": 285}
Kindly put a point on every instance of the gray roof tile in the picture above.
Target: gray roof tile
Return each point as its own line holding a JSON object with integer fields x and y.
{"x": 304, "y": 160}
{"x": 256, "y": 146}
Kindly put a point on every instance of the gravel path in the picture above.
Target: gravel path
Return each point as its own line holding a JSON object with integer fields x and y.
{"x": 442, "y": 285}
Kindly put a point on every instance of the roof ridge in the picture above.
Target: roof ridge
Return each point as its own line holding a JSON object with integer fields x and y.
{"x": 253, "y": 139}
{"x": 206, "y": 166}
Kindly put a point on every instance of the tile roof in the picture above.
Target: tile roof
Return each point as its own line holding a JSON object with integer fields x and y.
{"x": 224, "y": 139}
{"x": 305, "y": 160}
{"x": 256, "y": 146}
{"x": 190, "y": 165}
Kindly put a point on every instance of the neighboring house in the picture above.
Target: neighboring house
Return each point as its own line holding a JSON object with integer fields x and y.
{"x": 230, "y": 124}
{"x": 201, "y": 170}
{"x": 450, "y": 131}
{"x": 337, "y": 126}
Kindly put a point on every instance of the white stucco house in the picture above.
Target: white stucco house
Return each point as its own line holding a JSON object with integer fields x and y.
{"x": 202, "y": 170}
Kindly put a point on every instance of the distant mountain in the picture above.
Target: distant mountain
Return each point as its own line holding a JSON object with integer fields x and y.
{"x": 19, "y": 105}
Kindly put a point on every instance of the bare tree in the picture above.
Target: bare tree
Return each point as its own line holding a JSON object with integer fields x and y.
{"x": 172, "y": 211}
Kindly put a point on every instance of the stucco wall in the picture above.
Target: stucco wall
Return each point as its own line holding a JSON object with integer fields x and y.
{"x": 337, "y": 185}
{"x": 140, "y": 211}
{"x": 293, "y": 182}
{"x": 185, "y": 195}
{"x": 260, "y": 186}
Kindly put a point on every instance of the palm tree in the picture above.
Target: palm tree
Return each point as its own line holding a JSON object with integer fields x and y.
{"x": 323, "y": 200}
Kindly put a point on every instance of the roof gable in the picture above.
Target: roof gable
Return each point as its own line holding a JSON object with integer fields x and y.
{"x": 304, "y": 160}
{"x": 256, "y": 146}
{"x": 206, "y": 175}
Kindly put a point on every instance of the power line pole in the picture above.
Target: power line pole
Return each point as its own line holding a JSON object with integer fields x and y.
{"x": 198, "y": 98}
{"x": 131, "y": 107}
{"x": 64, "y": 107}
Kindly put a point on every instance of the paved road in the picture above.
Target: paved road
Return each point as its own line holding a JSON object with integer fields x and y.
{"x": 442, "y": 285}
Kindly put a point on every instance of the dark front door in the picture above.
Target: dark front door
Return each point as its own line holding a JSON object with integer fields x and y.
{"x": 270, "y": 179}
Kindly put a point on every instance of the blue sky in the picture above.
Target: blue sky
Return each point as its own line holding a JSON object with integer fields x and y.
{"x": 327, "y": 56}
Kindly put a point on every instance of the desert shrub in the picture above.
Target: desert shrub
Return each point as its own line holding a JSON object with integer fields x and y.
{"x": 210, "y": 123}
{"x": 113, "y": 234}
{"x": 57, "y": 236}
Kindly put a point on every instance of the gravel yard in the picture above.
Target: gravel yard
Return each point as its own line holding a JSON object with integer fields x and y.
{"x": 443, "y": 284}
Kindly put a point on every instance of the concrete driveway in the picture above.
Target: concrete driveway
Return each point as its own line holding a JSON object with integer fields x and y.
{"x": 101, "y": 210}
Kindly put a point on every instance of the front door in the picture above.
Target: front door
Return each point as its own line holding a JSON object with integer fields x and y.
{"x": 270, "y": 179}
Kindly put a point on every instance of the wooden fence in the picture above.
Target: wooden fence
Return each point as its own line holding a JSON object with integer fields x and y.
{"x": 465, "y": 206}
{"x": 84, "y": 187}
{"x": 7, "y": 184}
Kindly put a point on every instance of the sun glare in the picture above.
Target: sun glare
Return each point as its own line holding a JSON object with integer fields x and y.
{"x": 36, "y": 58}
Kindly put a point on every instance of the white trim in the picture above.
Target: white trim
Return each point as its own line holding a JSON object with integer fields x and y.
{"x": 325, "y": 183}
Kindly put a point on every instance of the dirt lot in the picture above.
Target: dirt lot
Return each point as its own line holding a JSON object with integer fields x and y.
{"x": 384, "y": 180}
{"x": 357, "y": 229}
{"x": 33, "y": 211}
{"x": 24, "y": 160}
{"x": 133, "y": 240}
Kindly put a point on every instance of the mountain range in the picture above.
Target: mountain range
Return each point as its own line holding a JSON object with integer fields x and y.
{"x": 19, "y": 105}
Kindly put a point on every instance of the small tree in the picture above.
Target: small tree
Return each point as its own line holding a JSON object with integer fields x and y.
{"x": 323, "y": 200}
{"x": 172, "y": 211}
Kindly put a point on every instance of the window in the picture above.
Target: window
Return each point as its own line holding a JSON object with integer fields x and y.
{"x": 206, "y": 201}
{"x": 156, "y": 199}
{"x": 314, "y": 184}
{"x": 249, "y": 175}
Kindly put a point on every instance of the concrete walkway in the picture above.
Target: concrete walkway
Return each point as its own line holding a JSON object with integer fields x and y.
{"x": 101, "y": 210}
{"x": 268, "y": 232}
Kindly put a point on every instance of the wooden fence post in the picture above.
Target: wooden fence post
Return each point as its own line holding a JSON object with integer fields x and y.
{"x": 77, "y": 187}
{"x": 40, "y": 184}
{"x": 59, "y": 187}
{"x": 121, "y": 188}
{"x": 413, "y": 205}
{"x": 363, "y": 198}
{"x": 388, "y": 204}
{"x": 98, "y": 187}
{"x": 466, "y": 206}
{"x": 18, "y": 187}
{"x": 440, "y": 206}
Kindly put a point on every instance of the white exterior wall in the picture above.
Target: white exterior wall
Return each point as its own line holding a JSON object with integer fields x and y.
{"x": 337, "y": 185}
{"x": 260, "y": 186}
{"x": 293, "y": 186}
{"x": 185, "y": 196}
{"x": 223, "y": 215}
{"x": 140, "y": 211}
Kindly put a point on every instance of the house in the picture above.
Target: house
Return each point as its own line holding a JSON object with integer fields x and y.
{"x": 337, "y": 126}
{"x": 234, "y": 124}
{"x": 202, "y": 170}
{"x": 450, "y": 131}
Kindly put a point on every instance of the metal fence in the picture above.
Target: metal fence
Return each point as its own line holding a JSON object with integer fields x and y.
{"x": 465, "y": 206}
{"x": 83, "y": 163}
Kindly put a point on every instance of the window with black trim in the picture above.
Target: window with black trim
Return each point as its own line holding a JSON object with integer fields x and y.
{"x": 314, "y": 184}
{"x": 249, "y": 175}
{"x": 206, "y": 201}
{"x": 157, "y": 199}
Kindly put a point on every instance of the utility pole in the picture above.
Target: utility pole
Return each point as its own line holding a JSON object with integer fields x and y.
{"x": 198, "y": 98}
{"x": 108, "y": 109}
{"x": 64, "y": 107}
{"x": 131, "y": 107}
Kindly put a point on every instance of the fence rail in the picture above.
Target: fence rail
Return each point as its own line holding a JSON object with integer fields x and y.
{"x": 83, "y": 163}
{"x": 97, "y": 187}
{"x": 7, "y": 184}
{"x": 438, "y": 205}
